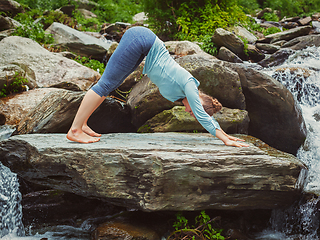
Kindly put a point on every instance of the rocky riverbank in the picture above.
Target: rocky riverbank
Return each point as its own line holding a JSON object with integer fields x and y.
{"x": 155, "y": 171}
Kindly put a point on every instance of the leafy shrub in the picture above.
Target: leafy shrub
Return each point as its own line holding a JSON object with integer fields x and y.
{"x": 270, "y": 17}
{"x": 192, "y": 20}
{"x": 203, "y": 230}
{"x": 91, "y": 24}
{"x": 208, "y": 46}
{"x": 91, "y": 63}
{"x": 17, "y": 85}
{"x": 35, "y": 32}
{"x": 271, "y": 30}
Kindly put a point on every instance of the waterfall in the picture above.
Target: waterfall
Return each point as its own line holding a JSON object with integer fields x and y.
{"x": 301, "y": 76}
{"x": 10, "y": 197}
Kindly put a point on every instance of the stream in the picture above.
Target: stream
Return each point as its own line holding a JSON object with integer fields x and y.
{"x": 298, "y": 222}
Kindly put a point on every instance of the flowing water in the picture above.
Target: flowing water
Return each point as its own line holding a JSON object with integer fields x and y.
{"x": 301, "y": 75}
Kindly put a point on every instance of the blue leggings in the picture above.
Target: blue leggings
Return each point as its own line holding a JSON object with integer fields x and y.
{"x": 133, "y": 47}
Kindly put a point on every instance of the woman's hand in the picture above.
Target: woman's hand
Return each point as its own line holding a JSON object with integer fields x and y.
{"x": 230, "y": 140}
{"x": 235, "y": 143}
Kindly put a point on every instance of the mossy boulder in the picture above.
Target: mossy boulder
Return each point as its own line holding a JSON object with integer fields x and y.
{"x": 177, "y": 120}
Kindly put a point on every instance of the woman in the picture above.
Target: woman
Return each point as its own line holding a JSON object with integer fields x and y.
{"x": 173, "y": 81}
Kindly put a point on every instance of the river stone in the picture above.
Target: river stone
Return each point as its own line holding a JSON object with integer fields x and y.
{"x": 243, "y": 32}
{"x": 16, "y": 107}
{"x": 303, "y": 42}
{"x": 277, "y": 58}
{"x": 288, "y": 34}
{"x": 226, "y": 55}
{"x": 224, "y": 38}
{"x": 145, "y": 101}
{"x": 275, "y": 117}
{"x": 178, "y": 120}
{"x": 56, "y": 111}
{"x": 268, "y": 48}
{"x": 10, "y": 6}
{"x": 215, "y": 80}
{"x": 75, "y": 41}
{"x": 45, "y": 68}
{"x": 158, "y": 171}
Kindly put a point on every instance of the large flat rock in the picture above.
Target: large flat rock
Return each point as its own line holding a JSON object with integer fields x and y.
{"x": 158, "y": 171}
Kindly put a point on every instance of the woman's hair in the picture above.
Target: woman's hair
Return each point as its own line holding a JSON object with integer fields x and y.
{"x": 211, "y": 105}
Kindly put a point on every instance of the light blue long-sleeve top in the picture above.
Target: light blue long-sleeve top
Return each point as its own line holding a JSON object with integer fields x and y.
{"x": 174, "y": 83}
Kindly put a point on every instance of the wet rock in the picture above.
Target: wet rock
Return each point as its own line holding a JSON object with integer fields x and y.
{"x": 157, "y": 171}
{"x": 277, "y": 58}
{"x": 177, "y": 120}
{"x": 303, "y": 42}
{"x": 275, "y": 117}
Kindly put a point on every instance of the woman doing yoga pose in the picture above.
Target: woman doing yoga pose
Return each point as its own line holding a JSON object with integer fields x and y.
{"x": 173, "y": 81}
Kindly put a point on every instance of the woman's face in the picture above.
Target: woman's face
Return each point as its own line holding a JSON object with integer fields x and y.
{"x": 188, "y": 108}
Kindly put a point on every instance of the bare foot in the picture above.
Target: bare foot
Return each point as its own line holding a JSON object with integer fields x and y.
{"x": 89, "y": 131}
{"x": 76, "y": 135}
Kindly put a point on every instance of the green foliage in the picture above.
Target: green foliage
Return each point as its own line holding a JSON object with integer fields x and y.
{"x": 203, "y": 231}
{"x": 46, "y": 18}
{"x": 208, "y": 46}
{"x": 44, "y": 4}
{"x": 91, "y": 24}
{"x": 271, "y": 30}
{"x": 35, "y": 32}
{"x": 117, "y": 10}
{"x": 290, "y": 8}
{"x": 270, "y": 17}
{"x": 248, "y": 6}
{"x": 17, "y": 85}
{"x": 192, "y": 20}
{"x": 91, "y": 63}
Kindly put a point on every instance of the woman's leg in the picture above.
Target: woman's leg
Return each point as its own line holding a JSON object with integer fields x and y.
{"x": 133, "y": 47}
{"x": 79, "y": 131}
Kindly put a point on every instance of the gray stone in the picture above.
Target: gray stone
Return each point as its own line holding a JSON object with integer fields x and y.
{"x": 224, "y": 38}
{"x": 277, "y": 58}
{"x": 45, "y": 68}
{"x": 158, "y": 171}
{"x": 244, "y": 33}
{"x": 56, "y": 111}
{"x": 303, "y": 42}
{"x": 215, "y": 80}
{"x": 269, "y": 48}
{"x": 177, "y": 120}
{"x": 145, "y": 101}
{"x": 13, "y": 109}
{"x": 10, "y": 6}
{"x": 288, "y": 34}
{"x": 78, "y": 42}
{"x": 226, "y": 55}
{"x": 275, "y": 117}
